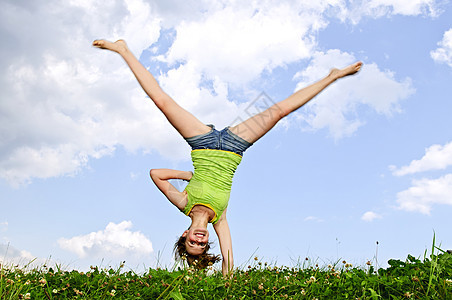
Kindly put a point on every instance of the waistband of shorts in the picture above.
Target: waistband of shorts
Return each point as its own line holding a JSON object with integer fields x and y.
{"x": 201, "y": 135}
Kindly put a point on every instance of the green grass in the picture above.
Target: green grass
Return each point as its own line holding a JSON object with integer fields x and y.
{"x": 415, "y": 278}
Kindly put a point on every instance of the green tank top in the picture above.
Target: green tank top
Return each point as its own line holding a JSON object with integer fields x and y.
{"x": 212, "y": 180}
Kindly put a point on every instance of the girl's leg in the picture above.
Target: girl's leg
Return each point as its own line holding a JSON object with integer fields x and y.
{"x": 183, "y": 121}
{"x": 257, "y": 126}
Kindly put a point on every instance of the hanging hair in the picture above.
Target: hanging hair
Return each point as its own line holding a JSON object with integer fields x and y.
{"x": 202, "y": 260}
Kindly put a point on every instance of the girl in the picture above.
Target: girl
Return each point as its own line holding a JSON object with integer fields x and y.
{"x": 215, "y": 154}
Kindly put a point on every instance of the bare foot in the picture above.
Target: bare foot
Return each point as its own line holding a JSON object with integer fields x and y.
{"x": 350, "y": 70}
{"x": 119, "y": 46}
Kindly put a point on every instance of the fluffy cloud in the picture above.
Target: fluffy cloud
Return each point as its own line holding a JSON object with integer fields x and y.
{"x": 336, "y": 108}
{"x": 425, "y": 193}
{"x": 11, "y": 255}
{"x": 209, "y": 103}
{"x": 232, "y": 46}
{"x": 116, "y": 241}
{"x": 443, "y": 54}
{"x": 436, "y": 157}
{"x": 66, "y": 103}
{"x": 369, "y": 216}
{"x": 381, "y": 8}
{"x": 239, "y": 43}
{"x": 404, "y": 7}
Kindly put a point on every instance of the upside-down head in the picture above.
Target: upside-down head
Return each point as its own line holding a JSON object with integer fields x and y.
{"x": 193, "y": 246}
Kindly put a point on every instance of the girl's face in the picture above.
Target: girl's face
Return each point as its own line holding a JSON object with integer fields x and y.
{"x": 196, "y": 240}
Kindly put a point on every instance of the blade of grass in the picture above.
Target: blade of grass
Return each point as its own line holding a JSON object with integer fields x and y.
{"x": 433, "y": 264}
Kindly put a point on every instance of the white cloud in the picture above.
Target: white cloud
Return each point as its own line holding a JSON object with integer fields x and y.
{"x": 67, "y": 103}
{"x": 116, "y": 241}
{"x": 238, "y": 43}
{"x": 172, "y": 12}
{"x": 404, "y": 7}
{"x": 443, "y": 54}
{"x": 11, "y": 255}
{"x": 425, "y": 193}
{"x": 64, "y": 102}
{"x": 436, "y": 157}
{"x": 382, "y": 8}
{"x": 233, "y": 45}
{"x": 369, "y": 216}
{"x": 336, "y": 107}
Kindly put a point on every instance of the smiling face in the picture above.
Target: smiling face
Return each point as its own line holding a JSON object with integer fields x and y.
{"x": 196, "y": 240}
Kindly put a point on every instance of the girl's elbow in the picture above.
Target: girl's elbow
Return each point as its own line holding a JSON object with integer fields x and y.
{"x": 153, "y": 173}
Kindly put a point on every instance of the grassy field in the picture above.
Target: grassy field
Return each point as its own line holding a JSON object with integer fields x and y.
{"x": 429, "y": 277}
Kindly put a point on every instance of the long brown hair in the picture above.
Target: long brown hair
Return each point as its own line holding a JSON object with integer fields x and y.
{"x": 202, "y": 260}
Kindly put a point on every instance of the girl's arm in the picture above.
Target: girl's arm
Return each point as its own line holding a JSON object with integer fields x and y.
{"x": 161, "y": 177}
{"x": 224, "y": 237}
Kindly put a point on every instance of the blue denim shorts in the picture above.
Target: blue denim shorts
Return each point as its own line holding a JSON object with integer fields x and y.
{"x": 219, "y": 140}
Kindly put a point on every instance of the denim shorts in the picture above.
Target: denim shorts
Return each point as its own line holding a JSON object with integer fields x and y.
{"x": 219, "y": 140}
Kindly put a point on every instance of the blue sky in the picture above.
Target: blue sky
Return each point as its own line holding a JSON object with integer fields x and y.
{"x": 367, "y": 161}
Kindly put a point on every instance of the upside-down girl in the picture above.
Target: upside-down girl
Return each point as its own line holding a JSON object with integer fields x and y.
{"x": 215, "y": 155}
